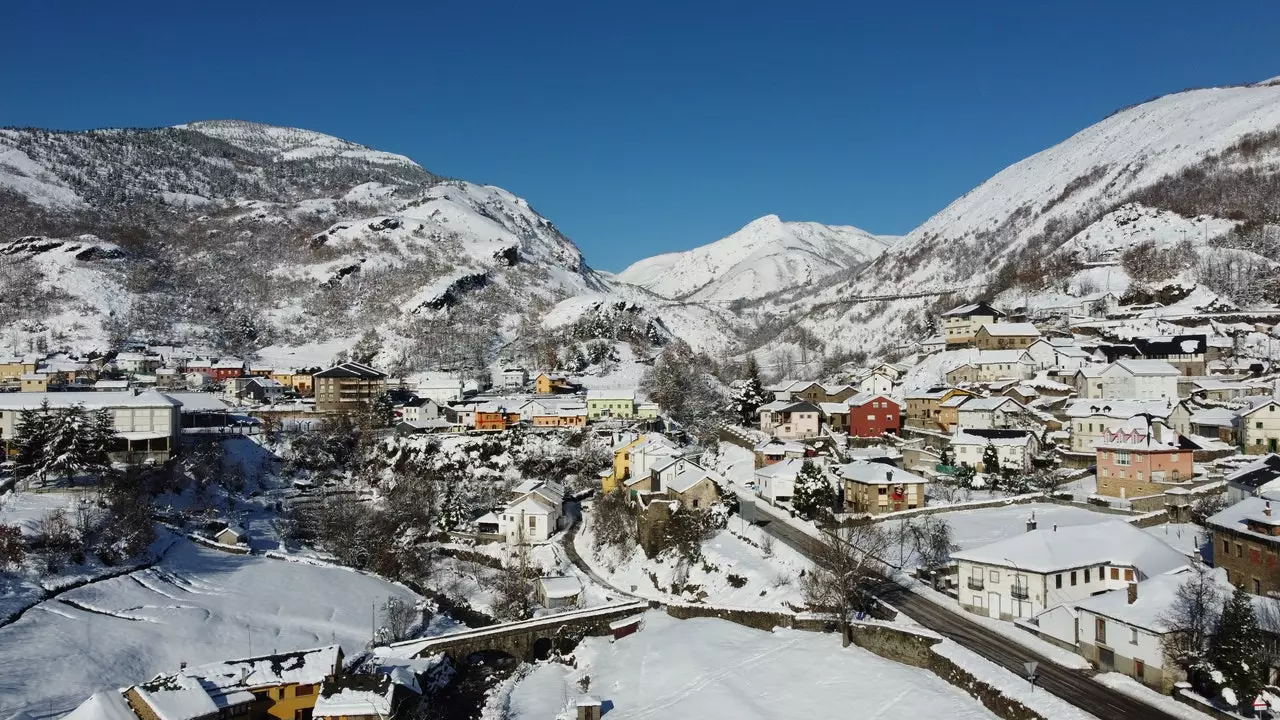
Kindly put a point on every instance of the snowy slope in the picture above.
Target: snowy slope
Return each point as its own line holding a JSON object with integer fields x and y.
{"x": 765, "y": 256}
{"x": 1029, "y": 210}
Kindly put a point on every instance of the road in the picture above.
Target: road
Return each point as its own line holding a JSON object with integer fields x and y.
{"x": 582, "y": 565}
{"x": 1073, "y": 686}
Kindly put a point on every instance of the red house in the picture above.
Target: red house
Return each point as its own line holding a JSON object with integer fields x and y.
{"x": 226, "y": 369}
{"x": 873, "y": 415}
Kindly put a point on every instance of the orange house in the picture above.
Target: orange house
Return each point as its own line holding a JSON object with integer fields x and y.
{"x": 491, "y": 420}
{"x": 1132, "y": 463}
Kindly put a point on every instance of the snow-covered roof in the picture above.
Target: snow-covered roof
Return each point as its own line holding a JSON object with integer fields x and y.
{"x": 1236, "y": 518}
{"x": 973, "y": 309}
{"x": 356, "y": 696}
{"x": 37, "y": 377}
{"x": 611, "y": 395}
{"x": 200, "y": 402}
{"x": 773, "y": 406}
{"x": 103, "y": 705}
{"x": 862, "y": 399}
{"x": 1066, "y": 548}
{"x": 1257, "y": 473}
{"x": 687, "y": 476}
{"x": 775, "y": 446}
{"x": 89, "y": 400}
{"x": 1024, "y": 329}
{"x": 873, "y": 473}
{"x": 1122, "y": 409}
{"x": 1146, "y": 368}
{"x": 560, "y": 588}
{"x": 988, "y": 404}
{"x": 1148, "y": 610}
{"x": 973, "y": 437}
{"x": 781, "y": 469}
{"x": 833, "y": 408}
{"x": 1257, "y": 404}
{"x": 1137, "y": 434}
{"x": 999, "y": 357}
{"x": 204, "y": 690}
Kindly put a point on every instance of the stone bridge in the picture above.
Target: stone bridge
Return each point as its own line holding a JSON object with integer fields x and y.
{"x": 529, "y": 640}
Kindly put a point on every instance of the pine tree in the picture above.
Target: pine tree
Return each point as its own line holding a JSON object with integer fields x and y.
{"x": 947, "y": 457}
{"x": 30, "y": 436}
{"x": 812, "y": 492}
{"x": 64, "y": 451}
{"x": 1236, "y": 650}
{"x": 990, "y": 460}
{"x": 748, "y": 394}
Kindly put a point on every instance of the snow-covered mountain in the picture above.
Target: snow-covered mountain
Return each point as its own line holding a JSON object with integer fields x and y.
{"x": 1200, "y": 165}
{"x": 766, "y": 256}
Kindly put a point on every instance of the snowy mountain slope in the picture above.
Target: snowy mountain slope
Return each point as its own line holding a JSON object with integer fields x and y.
{"x": 1212, "y": 152}
{"x": 764, "y": 257}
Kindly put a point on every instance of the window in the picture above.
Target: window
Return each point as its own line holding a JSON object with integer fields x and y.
{"x": 1257, "y": 587}
{"x": 1086, "y": 576}
{"x": 533, "y": 521}
{"x": 1239, "y": 550}
{"x": 304, "y": 690}
{"x": 1100, "y": 630}
{"x": 1073, "y": 577}
{"x": 995, "y": 576}
{"x": 1122, "y": 457}
{"x": 1057, "y": 581}
{"x": 1174, "y": 458}
{"x": 1128, "y": 575}
{"x": 1258, "y": 425}
{"x": 871, "y": 417}
{"x": 1226, "y": 547}
{"x": 1133, "y": 636}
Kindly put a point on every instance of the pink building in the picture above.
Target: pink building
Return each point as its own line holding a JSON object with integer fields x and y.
{"x": 1139, "y": 462}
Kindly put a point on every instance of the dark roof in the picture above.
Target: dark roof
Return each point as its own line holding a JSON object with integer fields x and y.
{"x": 979, "y": 308}
{"x": 800, "y": 407}
{"x": 1255, "y": 477}
{"x": 991, "y": 433}
{"x": 1119, "y": 352}
{"x": 351, "y": 370}
{"x": 1165, "y": 346}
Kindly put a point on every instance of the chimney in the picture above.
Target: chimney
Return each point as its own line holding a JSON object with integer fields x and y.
{"x": 1055, "y": 527}
{"x": 1267, "y": 510}
{"x": 1133, "y": 593}
{"x": 1031, "y": 522}
{"x": 182, "y": 665}
{"x": 888, "y": 476}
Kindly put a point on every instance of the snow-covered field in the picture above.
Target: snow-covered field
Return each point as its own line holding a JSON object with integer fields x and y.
{"x": 196, "y": 606}
{"x": 707, "y": 668}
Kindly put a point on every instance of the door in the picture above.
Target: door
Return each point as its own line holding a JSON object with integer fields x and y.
{"x": 1139, "y": 670}
{"x": 993, "y": 604}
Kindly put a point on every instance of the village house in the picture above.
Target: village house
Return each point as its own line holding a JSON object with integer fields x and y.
{"x": 419, "y": 409}
{"x": 12, "y": 368}
{"x": 774, "y": 450}
{"x": 686, "y": 482}
{"x": 1221, "y": 389}
{"x": 1026, "y": 574}
{"x": 1006, "y": 336}
{"x": 534, "y": 515}
{"x": 1138, "y": 461}
{"x": 876, "y": 488}
{"x": 368, "y": 696}
{"x": 168, "y": 378}
{"x": 513, "y": 378}
{"x": 925, "y": 406}
{"x": 1088, "y": 381}
{"x": 790, "y": 420}
{"x": 443, "y": 388}
{"x": 547, "y": 384}
{"x": 1258, "y": 477}
{"x": 111, "y": 385}
{"x": 230, "y": 535}
{"x": 647, "y": 410}
{"x": 984, "y": 366}
{"x": 872, "y": 416}
{"x": 960, "y": 324}
{"x": 1140, "y": 380}
{"x": 1014, "y": 448}
{"x": 199, "y": 365}
{"x": 279, "y": 686}
{"x": 226, "y": 369}
{"x": 835, "y": 416}
{"x": 1123, "y": 630}
{"x": 1187, "y": 353}
{"x": 637, "y": 458}
{"x": 147, "y": 424}
{"x": 949, "y": 412}
{"x": 874, "y": 383}
{"x": 262, "y": 390}
{"x": 776, "y": 481}
{"x": 559, "y": 592}
{"x": 992, "y": 412}
{"x": 1216, "y": 423}
{"x": 494, "y": 417}
{"x": 1246, "y": 541}
{"x": 1089, "y": 418}
{"x": 348, "y": 387}
{"x": 605, "y": 404}
{"x": 1259, "y": 427}
{"x": 34, "y": 382}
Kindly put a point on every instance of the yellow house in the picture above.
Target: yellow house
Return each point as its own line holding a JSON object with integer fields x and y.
{"x": 284, "y": 377}
{"x": 35, "y": 382}
{"x": 13, "y": 368}
{"x": 546, "y": 384}
{"x": 621, "y": 467}
{"x": 647, "y": 410}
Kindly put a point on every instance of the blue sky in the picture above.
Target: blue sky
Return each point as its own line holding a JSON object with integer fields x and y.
{"x": 641, "y": 128}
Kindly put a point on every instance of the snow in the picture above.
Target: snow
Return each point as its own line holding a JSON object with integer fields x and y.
{"x": 197, "y": 606}
{"x": 1010, "y": 685}
{"x": 1046, "y": 550}
{"x": 765, "y": 256}
{"x": 708, "y": 668}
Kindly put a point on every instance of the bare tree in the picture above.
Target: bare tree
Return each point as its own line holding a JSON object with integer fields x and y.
{"x": 398, "y": 618}
{"x": 1192, "y": 617}
{"x": 931, "y": 538}
{"x": 847, "y": 564}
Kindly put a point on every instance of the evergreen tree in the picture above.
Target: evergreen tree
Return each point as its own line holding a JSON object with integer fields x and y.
{"x": 947, "y": 457}
{"x": 1236, "y": 650}
{"x": 812, "y": 491}
{"x": 65, "y": 449}
{"x": 964, "y": 477}
{"x": 990, "y": 460}
{"x": 29, "y": 438}
{"x": 748, "y": 394}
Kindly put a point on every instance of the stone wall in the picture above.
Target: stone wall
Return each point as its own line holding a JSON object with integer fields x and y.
{"x": 757, "y": 619}
{"x": 916, "y": 649}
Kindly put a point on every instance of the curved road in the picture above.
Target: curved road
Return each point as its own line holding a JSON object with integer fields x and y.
{"x": 1073, "y": 686}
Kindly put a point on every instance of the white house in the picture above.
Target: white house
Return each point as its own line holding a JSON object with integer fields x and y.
{"x": 513, "y": 378}
{"x": 875, "y": 383}
{"x": 991, "y": 412}
{"x": 1088, "y": 380}
{"x": 534, "y": 515}
{"x": 441, "y": 388}
{"x": 1024, "y": 575}
{"x": 1123, "y": 630}
{"x": 420, "y": 409}
{"x": 1014, "y": 448}
{"x": 960, "y": 324}
{"x": 147, "y": 424}
{"x": 1089, "y": 418}
{"x": 777, "y": 482}
{"x": 1043, "y": 354}
{"x": 992, "y": 365}
{"x": 1140, "y": 380}
{"x": 1260, "y": 426}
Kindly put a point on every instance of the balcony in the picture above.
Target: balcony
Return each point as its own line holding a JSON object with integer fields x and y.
{"x": 975, "y": 583}
{"x": 1020, "y": 592}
